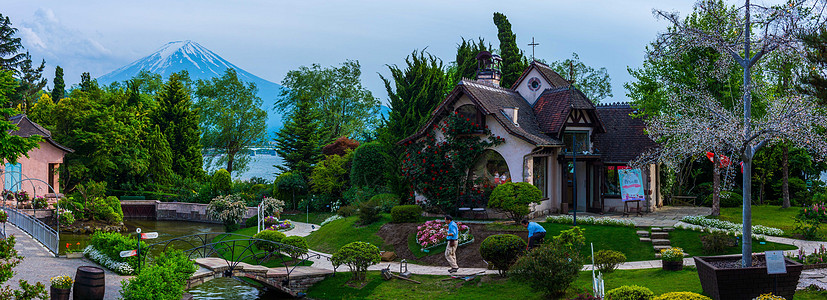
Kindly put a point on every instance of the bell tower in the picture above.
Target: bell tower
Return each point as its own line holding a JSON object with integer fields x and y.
{"x": 489, "y": 68}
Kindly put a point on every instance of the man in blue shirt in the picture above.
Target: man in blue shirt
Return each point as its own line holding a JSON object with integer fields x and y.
{"x": 451, "y": 248}
{"x": 536, "y": 234}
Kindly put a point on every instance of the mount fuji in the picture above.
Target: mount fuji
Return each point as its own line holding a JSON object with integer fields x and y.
{"x": 201, "y": 63}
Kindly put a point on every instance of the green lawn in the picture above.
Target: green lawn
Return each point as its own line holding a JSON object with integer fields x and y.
{"x": 690, "y": 242}
{"x": 314, "y": 217}
{"x": 336, "y": 234}
{"x": 239, "y": 248}
{"x": 768, "y": 215}
{"x": 623, "y": 239}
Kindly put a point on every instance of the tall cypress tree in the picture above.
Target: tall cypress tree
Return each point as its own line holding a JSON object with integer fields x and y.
{"x": 299, "y": 141}
{"x": 10, "y": 48}
{"x": 178, "y": 121}
{"x": 513, "y": 61}
{"x": 59, "y": 88}
{"x": 465, "y": 65}
{"x": 31, "y": 82}
{"x": 160, "y": 153}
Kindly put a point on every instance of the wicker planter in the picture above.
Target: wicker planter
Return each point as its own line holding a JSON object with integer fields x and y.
{"x": 744, "y": 283}
{"x": 672, "y": 265}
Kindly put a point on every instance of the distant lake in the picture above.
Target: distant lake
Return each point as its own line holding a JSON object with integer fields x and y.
{"x": 259, "y": 166}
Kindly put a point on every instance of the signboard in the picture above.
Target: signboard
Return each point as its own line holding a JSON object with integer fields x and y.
{"x": 631, "y": 184}
{"x": 129, "y": 253}
{"x": 149, "y": 235}
{"x": 775, "y": 262}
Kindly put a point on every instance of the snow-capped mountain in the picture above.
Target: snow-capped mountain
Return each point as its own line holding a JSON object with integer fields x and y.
{"x": 201, "y": 63}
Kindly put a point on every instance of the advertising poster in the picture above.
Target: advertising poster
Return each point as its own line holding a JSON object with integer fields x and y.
{"x": 631, "y": 183}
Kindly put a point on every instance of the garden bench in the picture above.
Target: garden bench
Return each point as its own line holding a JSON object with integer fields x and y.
{"x": 684, "y": 200}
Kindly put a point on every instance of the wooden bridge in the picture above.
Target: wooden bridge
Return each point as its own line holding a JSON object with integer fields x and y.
{"x": 300, "y": 278}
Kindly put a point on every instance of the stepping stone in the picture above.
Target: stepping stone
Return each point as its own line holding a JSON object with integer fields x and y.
{"x": 660, "y": 235}
{"x": 657, "y": 255}
{"x": 643, "y": 233}
{"x": 641, "y": 226}
{"x": 668, "y": 229}
{"x": 656, "y": 229}
{"x": 660, "y": 242}
{"x": 645, "y": 240}
{"x": 658, "y": 248}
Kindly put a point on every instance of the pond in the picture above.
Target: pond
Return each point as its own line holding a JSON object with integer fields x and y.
{"x": 166, "y": 230}
{"x": 231, "y": 288}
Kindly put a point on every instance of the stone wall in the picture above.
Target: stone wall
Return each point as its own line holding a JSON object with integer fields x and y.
{"x": 182, "y": 211}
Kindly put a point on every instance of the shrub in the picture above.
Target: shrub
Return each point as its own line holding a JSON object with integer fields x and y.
{"x": 269, "y": 235}
{"x": 222, "y": 181}
{"x": 272, "y": 206}
{"x": 406, "y": 213}
{"x": 39, "y": 203}
{"x": 340, "y": 146}
{"x": 115, "y": 204}
{"x": 65, "y": 217}
{"x": 100, "y": 210}
{"x": 110, "y": 245}
{"x": 681, "y": 296}
{"x": 229, "y": 209}
{"x": 716, "y": 242}
{"x": 288, "y": 185}
{"x": 4, "y": 216}
{"x": 548, "y": 269}
{"x": 368, "y": 213}
{"x": 358, "y": 256}
{"x": 299, "y": 246}
{"x": 514, "y": 198}
{"x": 571, "y": 238}
{"x": 331, "y": 219}
{"x": 76, "y": 207}
{"x": 385, "y": 201}
{"x": 502, "y": 250}
{"x": 251, "y": 222}
{"x": 807, "y": 227}
{"x": 356, "y": 194}
{"x": 730, "y": 199}
{"x": 347, "y": 211}
{"x": 331, "y": 174}
{"x": 608, "y": 260}
{"x": 368, "y": 165}
{"x": 163, "y": 280}
{"x": 434, "y": 233}
{"x": 630, "y": 292}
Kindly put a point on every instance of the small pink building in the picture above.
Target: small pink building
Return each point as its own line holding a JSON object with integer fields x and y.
{"x": 41, "y": 164}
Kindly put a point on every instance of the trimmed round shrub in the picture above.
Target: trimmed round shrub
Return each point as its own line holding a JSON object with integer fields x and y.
{"x": 298, "y": 242}
{"x": 513, "y": 198}
{"x": 229, "y": 209}
{"x": 681, "y": 296}
{"x": 221, "y": 181}
{"x": 117, "y": 212}
{"x": 608, "y": 260}
{"x": 368, "y": 213}
{"x": 502, "y": 250}
{"x": 347, "y": 211}
{"x": 406, "y": 213}
{"x": 358, "y": 256}
{"x": 549, "y": 269}
{"x": 269, "y": 235}
{"x": 367, "y": 165}
{"x": 630, "y": 292}
{"x": 730, "y": 199}
{"x": 251, "y": 222}
{"x": 385, "y": 201}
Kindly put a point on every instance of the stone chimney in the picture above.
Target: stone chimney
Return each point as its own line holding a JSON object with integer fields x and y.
{"x": 489, "y": 68}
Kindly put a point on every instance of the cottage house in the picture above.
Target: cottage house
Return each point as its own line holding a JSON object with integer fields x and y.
{"x": 576, "y": 153}
{"x": 41, "y": 165}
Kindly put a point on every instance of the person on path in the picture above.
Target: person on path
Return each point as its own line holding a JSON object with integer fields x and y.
{"x": 536, "y": 234}
{"x": 451, "y": 247}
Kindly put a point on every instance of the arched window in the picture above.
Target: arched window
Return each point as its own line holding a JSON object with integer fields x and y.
{"x": 470, "y": 112}
{"x": 489, "y": 169}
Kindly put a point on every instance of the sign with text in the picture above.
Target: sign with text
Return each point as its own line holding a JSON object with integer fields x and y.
{"x": 129, "y": 253}
{"x": 631, "y": 184}
{"x": 149, "y": 235}
{"x": 775, "y": 262}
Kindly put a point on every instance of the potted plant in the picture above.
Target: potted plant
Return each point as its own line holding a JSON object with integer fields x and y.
{"x": 672, "y": 259}
{"x": 61, "y": 286}
{"x": 73, "y": 252}
{"x": 3, "y": 216}
{"x": 722, "y": 277}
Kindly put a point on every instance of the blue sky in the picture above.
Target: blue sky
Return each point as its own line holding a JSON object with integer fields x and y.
{"x": 269, "y": 38}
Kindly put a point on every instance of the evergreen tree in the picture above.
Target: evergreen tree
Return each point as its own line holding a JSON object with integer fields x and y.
{"x": 299, "y": 141}
{"x": 59, "y": 88}
{"x": 160, "y": 171}
{"x": 87, "y": 84}
{"x": 465, "y": 65}
{"x": 815, "y": 83}
{"x": 11, "y": 146}
{"x": 31, "y": 82}
{"x": 178, "y": 122}
{"x": 10, "y": 47}
{"x": 513, "y": 61}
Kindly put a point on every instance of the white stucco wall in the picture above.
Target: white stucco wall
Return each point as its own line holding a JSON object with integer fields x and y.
{"x": 528, "y": 94}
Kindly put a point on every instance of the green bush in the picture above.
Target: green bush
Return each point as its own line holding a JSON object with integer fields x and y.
{"x": 502, "y": 250}
{"x": 330, "y": 175}
{"x": 730, "y": 199}
{"x": 681, "y": 296}
{"x": 76, "y": 207}
{"x": 112, "y": 243}
{"x": 358, "y": 256}
{"x": 115, "y": 204}
{"x": 298, "y": 242}
{"x": 222, "y": 181}
{"x": 513, "y": 198}
{"x": 347, "y": 211}
{"x": 608, "y": 260}
{"x": 368, "y": 213}
{"x": 269, "y": 235}
{"x": 717, "y": 242}
{"x": 368, "y": 165}
{"x": 356, "y": 195}
{"x": 548, "y": 269}
{"x": 229, "y": 209}
{"x": 101, "y": 210}
{"x": 290, "y": 186}
{"x": 630, "y": 292}
{"x": 39, "y": 203}
{"x": 385, "y": 201}
{"x": 166, "y": 279}
{"x": 251, "y": 222}
{"x": 406, "y": 213}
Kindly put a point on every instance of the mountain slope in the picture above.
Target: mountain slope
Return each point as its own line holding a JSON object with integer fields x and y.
{"x": 201, "y": 63}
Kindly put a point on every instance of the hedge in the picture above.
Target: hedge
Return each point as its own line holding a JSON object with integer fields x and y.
{"x": 406, "y": 213}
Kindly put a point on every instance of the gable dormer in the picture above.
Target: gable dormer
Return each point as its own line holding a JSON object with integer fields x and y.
{"x": 537, "y": 78}
{"x": 566, "y": 109}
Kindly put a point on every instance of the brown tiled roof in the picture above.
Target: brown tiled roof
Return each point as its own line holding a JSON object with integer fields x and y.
{"x": 27, "y": 128}
{"x": 554, "y": 79}
{"x": 491, "y": 100}
{"x": 625, "y": 138}
{"x": 553, "y": 106}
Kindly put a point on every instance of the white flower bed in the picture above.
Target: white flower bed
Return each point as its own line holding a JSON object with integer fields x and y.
{"x": 568, "y": 219}
{"x": 729, "y": 226}
{"x": 100, "y": 258}
{"x": 331, "y": 219}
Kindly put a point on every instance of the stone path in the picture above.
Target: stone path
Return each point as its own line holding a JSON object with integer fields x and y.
{"x": 39, "y": 265}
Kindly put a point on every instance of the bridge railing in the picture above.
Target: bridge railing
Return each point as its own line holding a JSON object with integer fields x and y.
{"x": 41, "y": 232}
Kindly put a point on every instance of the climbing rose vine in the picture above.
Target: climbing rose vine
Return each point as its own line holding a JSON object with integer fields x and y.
{"x": 437, "y": 164}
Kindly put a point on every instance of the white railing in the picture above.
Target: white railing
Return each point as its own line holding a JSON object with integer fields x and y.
{"x": 34, "y": 227}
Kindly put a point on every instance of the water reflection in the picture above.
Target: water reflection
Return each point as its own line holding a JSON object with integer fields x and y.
{"x": 166, "y": 230}
{"x": 230, "y": 288}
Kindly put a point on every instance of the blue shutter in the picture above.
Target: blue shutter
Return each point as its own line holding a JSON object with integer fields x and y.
{"x": 13, "y": 176}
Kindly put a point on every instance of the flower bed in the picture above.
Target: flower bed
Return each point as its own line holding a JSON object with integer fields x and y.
{"x": 331, "y": 219}
{"x": 433, "y": 234}
{"x": 121, "y": 268}
{"x": 817, "y": 258}
{"x": 817, "y": 211}
{"x": 729, "y": 226}
{"x": 568, "y": 219}
{"x": 280, "y": 226}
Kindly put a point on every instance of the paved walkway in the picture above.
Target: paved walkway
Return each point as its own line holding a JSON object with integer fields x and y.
{"x": 39, "y": 265}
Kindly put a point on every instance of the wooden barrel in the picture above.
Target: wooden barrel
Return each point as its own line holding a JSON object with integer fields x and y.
{"x": 89, "y": 283}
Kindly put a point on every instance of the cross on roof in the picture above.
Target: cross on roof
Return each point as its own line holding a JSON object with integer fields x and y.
{"x": 533, "y": 44}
